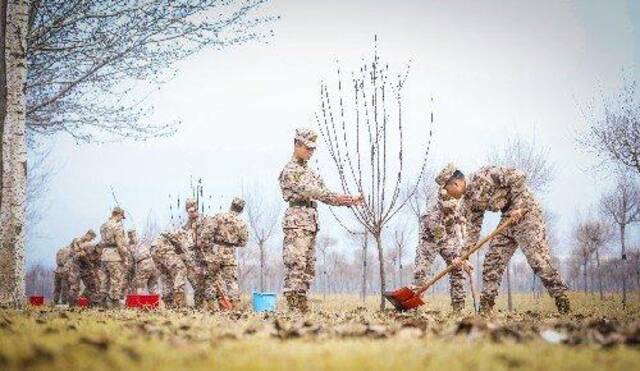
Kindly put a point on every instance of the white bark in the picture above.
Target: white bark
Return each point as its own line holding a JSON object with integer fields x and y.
{"x": 14, "y": 157}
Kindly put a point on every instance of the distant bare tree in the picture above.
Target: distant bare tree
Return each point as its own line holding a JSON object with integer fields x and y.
{"x": 263, "y": 218}
{"x": 39, "y": 281}
{"x": 590, "y": 237}
{"x": 400, "y": 241}
{"x": 530, "y": 157}
{"x": 613, "y": 133}
{"x": 80, "y": 50}
{"x": 622, "y": 206}
{"x": 362, "y": 239}
{"x": 324, "y": 243}
{"x": 359, "y": 143}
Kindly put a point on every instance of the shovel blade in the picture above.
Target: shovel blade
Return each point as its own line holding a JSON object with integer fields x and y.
{"x": 403, "y": 299}
{"x": 225, "y": 303}
{"x": 403, "y": 294}
{"x": 412, "y": 303}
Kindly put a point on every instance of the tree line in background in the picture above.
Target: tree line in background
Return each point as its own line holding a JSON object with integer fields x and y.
{"x": 74, "y": 67}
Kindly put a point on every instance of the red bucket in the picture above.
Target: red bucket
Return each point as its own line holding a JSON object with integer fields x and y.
{"x": 82, "y": 302}
{"x": 36, "y": 301}
{"x": 143, "y": 301}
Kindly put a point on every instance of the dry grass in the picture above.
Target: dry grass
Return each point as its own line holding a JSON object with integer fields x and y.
{"x": 339, "y": 334}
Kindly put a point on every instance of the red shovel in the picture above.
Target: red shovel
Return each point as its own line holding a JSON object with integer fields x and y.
{"x": 406, "y": 298}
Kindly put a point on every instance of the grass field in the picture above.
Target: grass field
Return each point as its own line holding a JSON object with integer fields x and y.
{"x": 339, "y": 334}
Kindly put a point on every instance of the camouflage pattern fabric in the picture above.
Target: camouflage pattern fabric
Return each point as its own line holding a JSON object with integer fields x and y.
{"x": 112, "y": 268}
{"x": 221, "y": 235}
{"x": 61, "y": 275}
{"x": 505, "y": 189}
{"x": 300, "y": 185}
{"x": 165, "y": 254}
{"x": 439, "y": 236}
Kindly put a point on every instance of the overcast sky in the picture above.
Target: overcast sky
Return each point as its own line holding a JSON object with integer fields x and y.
{"x": 494, "y": 69}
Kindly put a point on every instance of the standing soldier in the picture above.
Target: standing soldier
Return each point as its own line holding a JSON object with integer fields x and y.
{"x": 221, "y": 235}
{"x": 301, "y": 187}
{"x": 192, "y": 254}
{"x": 166, "y": 252}
{"x": 128, "y": 285}
{"x": 114, "y": 253}
{"x": 503, "y": 189}
{"x": 61, "y": 276}
{"x": 82, "y": 269}
{"x": 439, "y": 235}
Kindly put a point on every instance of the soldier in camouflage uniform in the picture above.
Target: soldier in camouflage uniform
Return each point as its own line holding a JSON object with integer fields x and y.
{"x": 166, "y": 252}
{"x": 505, "y": 190}
{"x": 301, "y": 187}
{"x": 114, "y": 253}
{"x": 83, "y": 270}
{"x": 61, "y": 276}
{"x": 440, "y": 234}
{"x": 221, "y": 235}
{"x": 146, "y": 273}
{"x": 128, "y": 285}
{"x": 192, "y": 254}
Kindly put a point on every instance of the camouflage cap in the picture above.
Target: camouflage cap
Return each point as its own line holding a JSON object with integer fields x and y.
{"x": 118, "y": 210}
{"x": 445, "y": 174}
{"x": 238, "y": 203}
{"x": 190, "y": 203}
{"x": 91, "y": 232}
{"x": 307, "y": 137}
{"x": 132, "y": 232}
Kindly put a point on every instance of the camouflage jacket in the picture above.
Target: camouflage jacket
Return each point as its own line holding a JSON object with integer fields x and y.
{"x": 62, "y": 257}
{"x": 299, "y": 183}
{"x": 440, "y": 222}
{"x": 492, "y": 188}
{"x": 113, "y": 241}
{"x": 225, "y": 229}
{"x": 83, "y": 252}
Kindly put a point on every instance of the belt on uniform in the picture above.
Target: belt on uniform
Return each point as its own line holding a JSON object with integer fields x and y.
{"x": 309, "y": 204}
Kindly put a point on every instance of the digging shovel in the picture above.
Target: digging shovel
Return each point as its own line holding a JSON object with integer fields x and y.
{"x": 405, "y": 298}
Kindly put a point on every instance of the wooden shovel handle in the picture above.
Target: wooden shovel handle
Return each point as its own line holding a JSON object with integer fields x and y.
{"x": 466, "y": 256}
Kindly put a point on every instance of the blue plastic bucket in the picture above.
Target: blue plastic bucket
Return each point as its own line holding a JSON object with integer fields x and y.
{"x": 264, "y": 301}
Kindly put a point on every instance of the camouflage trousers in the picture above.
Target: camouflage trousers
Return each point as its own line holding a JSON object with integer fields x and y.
{"x": 111, "y": 280}
{"x": 172, "y": 272}
{"x": 60, "y": 287}
{"x": 147, "y": 276}
{"x": 83, "y": 273}
{"x": 298, "y": 255}
{"x": 448, "y": 249}
{"x": 229, "y": 272}
{"x": 214, "y": 286}
{"x": 530, "y": 235}
{"x": 195, "y": 276}
{"x": 128, "y": 280}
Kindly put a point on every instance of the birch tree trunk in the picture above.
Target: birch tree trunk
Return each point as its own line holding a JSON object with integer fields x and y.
{"x": 14, "y": 154}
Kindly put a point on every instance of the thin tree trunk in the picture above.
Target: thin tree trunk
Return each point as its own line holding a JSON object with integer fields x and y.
{"x": 585, "y": 278}
{"x": 623, "y": 252}
{"x": 599, "y": 275}
{"x": 509, "y": 296}
{"x": 261, "y": 246}
{"x": 364, "y": 267}
{"x": 382, "y": 273}
{"x": 14, "y": 156}
{"x": 324, "y": 273}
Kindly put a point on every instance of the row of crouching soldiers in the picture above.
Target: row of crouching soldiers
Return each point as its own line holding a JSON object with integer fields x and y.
{"x": 201, "y": 252}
